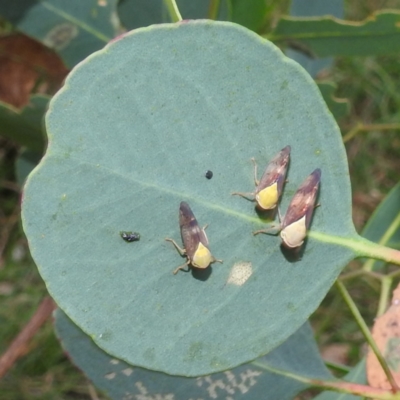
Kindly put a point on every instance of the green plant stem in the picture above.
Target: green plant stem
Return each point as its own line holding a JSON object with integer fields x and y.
{"x": 352, "y": 132}
{"x": 338, "y": 367}
{"x": 394, "y": 274}
{"x": 338, "y": 386}
{"x": 385, "y": 294}
{"x": 173, "y": 10}
{"x": 386, "y": 283}
{"x": 213, "y": 9}
{"x": 362, "y": 247}
{"x": 367, "y": 334}
{"x": 366, "y": 128}
{"x": 355, "y": 274}
{"x": 368, "y": 266}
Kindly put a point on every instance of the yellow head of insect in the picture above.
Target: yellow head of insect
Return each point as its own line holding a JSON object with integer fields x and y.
{"x": 267, "y": 198}
{"x": 294, "y": 234}
{"x": 202, "y": 257}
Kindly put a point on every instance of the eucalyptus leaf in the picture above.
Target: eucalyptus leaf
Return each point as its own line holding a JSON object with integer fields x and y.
{"x": 329, "y": 36}
{"x": 249, "y": 13}
{"x": 297, "y": 356}
{"x": 25, "y": 126}
{"x": 314, "y": 8}
{"x": 14, "y": 11}
{"x": 131, "y": 135}
{"x": 73, "y": 28}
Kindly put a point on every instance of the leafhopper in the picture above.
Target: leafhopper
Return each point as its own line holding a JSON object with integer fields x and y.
{"x": 194, "y": 240}
{"x": 269, "y": 188}
{"x": 293, "y": 227}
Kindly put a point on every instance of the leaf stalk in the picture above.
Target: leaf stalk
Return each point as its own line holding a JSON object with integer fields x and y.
{"x": 363, "y": 247}
{"x": 173, "y": 10}
{"x": 366, "y": 332}
{"x": 360, "y": 127}
{"x": 213, "y": 9}
{"x": 384, "y": 295}
{"x": 338, "y": 386}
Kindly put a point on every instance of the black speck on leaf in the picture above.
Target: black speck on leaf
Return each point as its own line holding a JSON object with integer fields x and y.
{"x": 130, "y": 236}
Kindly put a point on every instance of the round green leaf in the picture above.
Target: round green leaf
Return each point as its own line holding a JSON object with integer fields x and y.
{"x": 131, "y": 135}
{"x": 279, "y": 374}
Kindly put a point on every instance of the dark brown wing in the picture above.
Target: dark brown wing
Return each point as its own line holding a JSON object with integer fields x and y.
{"x": 191, "y": 232}
{"x": 303, "y": 201}
{"x": 275, "y": 171}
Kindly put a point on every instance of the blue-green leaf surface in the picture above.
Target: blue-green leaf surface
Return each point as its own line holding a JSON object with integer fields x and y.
{"x": 328, "y": 36}
{"x": 297, "y": 356}
{"x": 314, "y": 8}
{"x": 131, "y": 135}
{"x": 73, "y": 28}
{"x": 304, "y": 8}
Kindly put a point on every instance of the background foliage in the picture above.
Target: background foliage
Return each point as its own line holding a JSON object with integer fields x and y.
{"x": 370, "y": 128}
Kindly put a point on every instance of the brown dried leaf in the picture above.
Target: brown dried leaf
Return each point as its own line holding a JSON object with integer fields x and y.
{"x": 336, "y": 353}
{"x": 386, "y": 333}
{"x": 26, "y": 67}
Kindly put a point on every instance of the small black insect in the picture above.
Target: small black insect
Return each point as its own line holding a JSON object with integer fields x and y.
{"x": 209, "y": 174}
{"x": 130, "y": 236}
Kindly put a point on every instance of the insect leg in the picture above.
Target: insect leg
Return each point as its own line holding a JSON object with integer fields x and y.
{"x": 182, "y": 252}
{"x": 256, "y": 181}
{"x": 269, "y": 231}
{"x": 279, "y": 215}
{"x": 181, "y": 267}
{"x": 244, "y": 195}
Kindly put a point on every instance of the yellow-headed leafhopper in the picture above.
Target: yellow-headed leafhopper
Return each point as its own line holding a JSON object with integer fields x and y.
{"x": 194, "y": 240}
{"x": 269, "y": 188}
{"x": 294, "y": 225}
